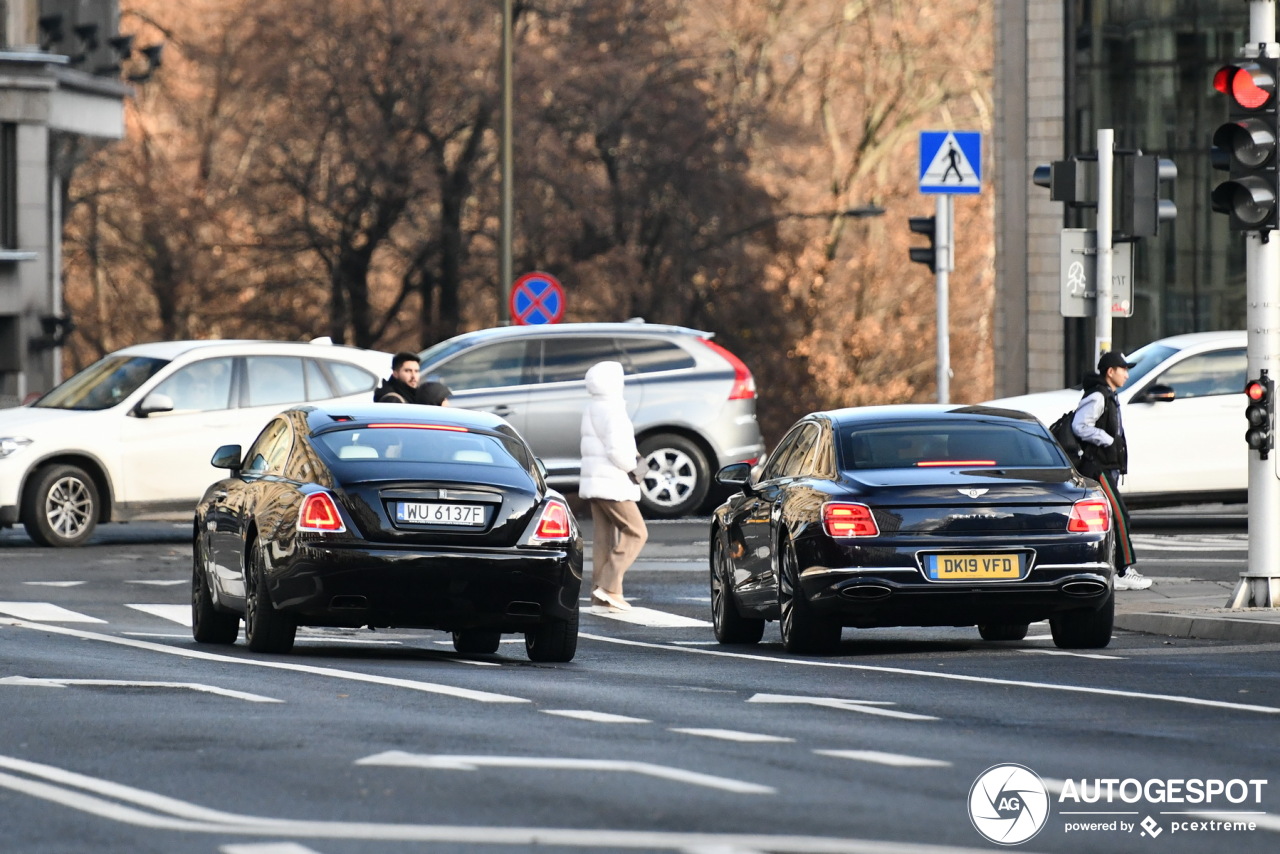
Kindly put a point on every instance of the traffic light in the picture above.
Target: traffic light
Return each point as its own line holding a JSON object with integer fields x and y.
{"x": 1071, "y": 181}
{"x": 1139, "y": 208}
{"x": 927, "y": 226}
{"x": 1246, "y": 145}
{"x": 1260, "y": 412}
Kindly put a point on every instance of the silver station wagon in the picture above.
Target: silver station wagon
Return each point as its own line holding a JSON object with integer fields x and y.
{"x": 693, "y": 403}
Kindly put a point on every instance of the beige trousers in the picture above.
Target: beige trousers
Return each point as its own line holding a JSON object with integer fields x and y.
{"x": 620, "y": 534}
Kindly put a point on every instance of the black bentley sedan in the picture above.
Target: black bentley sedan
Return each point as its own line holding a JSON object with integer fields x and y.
{"x": 386, "y": 515}
{"x": 912, "y": 515}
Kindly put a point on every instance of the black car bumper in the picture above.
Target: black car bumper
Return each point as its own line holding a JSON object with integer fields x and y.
{"x": 507, "y": 590}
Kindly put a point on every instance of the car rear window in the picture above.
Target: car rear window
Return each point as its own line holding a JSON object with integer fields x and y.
{"x": 404, "y": 444}
{"x": 941, "y": 444}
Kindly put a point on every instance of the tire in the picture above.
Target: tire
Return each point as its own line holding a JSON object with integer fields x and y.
{"x": 1084, "y": 629}
{"x": 208, "y": 624}
{"x": 61, "y": 507}
{"x": 477, "y": 640}
{"x": 679, "y": 476}
{"x": 730, "y": 626}
{"x": 1003, "y": 631}
{"x": 555, "y": 640}
{"x": 803, "y": 630}
{"x": 265, "y": 628}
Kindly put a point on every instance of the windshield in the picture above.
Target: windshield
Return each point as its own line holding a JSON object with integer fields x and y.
{"x": 103, "y": 384}
{"x": 941, "y": 444}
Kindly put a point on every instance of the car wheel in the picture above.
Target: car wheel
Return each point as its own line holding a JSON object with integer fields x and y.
{"x": 1084, "y": 629}
{"x": 1003, "y": 631}
{"x": 554, "y": 640}
{"x": 60, "y": 507}
{"x": 803, "y": 629}
{"x": 729, "y": 625}
{"x": 477, "y": 640}
{"x": 208, "y": 624}
{"x": 265, "y": 628}
{"x": 678, "y": 479}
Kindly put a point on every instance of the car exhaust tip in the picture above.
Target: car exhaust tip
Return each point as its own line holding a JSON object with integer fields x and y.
{"x": 524, "y": 609}
{"x": 349, "y": 602}
{"x": 866, "y": 591}
{"x": 1084, "y": 588}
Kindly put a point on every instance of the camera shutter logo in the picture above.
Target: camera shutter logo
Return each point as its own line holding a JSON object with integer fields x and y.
{"x": 1008, "y": 804}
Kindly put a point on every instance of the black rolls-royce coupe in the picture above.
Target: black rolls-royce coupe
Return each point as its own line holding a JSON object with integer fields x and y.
{"x": 386, "y": 515}
{"x": 912, "y": 515}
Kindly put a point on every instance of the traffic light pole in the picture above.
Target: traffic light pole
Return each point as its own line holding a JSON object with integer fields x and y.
{"x": 1102, "y": 303}
{"x": 943, "y": 212}
{"x": 1259, "y": 586}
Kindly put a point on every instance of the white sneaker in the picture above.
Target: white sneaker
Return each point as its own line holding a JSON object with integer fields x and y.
{"x": 1132, "y": 580}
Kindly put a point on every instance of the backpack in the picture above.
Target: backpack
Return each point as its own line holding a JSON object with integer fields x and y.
{"x": 1061, "y": 430}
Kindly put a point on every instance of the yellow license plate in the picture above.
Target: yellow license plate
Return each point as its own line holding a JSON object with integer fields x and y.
{"x": 967, "y": 567}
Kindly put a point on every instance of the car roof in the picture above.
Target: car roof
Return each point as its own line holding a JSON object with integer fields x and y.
{"x": 1202, "y": 339}
{"x": 236, "y": 346}
{"x": 917, "y": 411}
{"x": 402, "y": 413}
{"x": 630, "y": 327}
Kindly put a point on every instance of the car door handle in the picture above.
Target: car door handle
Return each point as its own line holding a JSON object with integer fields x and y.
{"x": 502, "y": 411}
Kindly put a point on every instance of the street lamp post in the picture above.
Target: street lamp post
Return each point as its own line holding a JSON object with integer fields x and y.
{"x": 504, "y": 240}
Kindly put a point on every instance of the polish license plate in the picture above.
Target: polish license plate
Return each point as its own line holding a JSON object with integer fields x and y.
{"x": 968, "y": 567}
{"x": 422, "y": 513}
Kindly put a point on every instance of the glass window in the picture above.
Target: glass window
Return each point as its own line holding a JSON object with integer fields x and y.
{"x": 274, "y": 380}
{"x": 269, "y": 451}
{"x": 489, "y": 366}
{"x": 103, "y": 384}
{"x": 567, "y": 359}
{"x": 201, "y": 386}
{"x": 646, "y": 355}
{"x": 348, "y": 379}
{"x": 317, "y": 384}
{"x": 1207, "y": 374}
{"x": 402, "y": 445}
{"x": 779, "y": 464}
{"x": 936, "y": 444}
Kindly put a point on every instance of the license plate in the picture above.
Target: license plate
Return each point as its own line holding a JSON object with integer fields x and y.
{"x": 967, "y": 567}
{"x": 421, "y": 513}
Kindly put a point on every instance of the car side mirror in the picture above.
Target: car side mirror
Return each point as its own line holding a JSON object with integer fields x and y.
{"x": 153, "y": 403}
{"x": 737, "y": 475}
{"x": 227, "y": 457}
{"x": 1155, "y": 394}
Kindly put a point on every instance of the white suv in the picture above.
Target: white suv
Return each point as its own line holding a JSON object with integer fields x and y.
{"x": 131, "y": 435}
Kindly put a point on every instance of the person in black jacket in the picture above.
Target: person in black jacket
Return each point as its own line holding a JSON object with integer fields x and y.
{"x": 1098, "y": 425}
{"x": 402, "y": 385}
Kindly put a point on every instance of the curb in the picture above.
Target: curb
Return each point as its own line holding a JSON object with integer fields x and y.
{"x": 1200, "y": 626}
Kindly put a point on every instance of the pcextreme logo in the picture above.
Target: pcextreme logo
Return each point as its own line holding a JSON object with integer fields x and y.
{"x": 1008, "y": 804}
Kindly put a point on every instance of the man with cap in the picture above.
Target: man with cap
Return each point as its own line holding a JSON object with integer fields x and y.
{"x": 1105, "y": 458}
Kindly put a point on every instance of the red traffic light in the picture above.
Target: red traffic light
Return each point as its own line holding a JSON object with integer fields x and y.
{"x": 1248, "y": 84}
{"x": 1255, "y": 390}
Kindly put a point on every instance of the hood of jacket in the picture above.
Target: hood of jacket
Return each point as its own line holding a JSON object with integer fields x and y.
{"x": 1094, "y": 381}
{"x": 604, "y": 379}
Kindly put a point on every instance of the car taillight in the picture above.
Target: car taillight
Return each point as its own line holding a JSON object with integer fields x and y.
{"x": 744, "y": 385}
{"x": 553, "y": 525}
{"x": 849, "y": 520}
{"x": 320, "y": 513}
{"x": 1091, "y": 516}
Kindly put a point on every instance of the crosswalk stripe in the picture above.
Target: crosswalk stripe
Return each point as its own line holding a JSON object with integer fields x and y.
{"x": 595, "y": 717}
{"x": 44, "y": 612}
{"x": 180, "y": 614}
{"x": 896, "y": 759}
{"x": 651, "y": 618}
{"x": 268, "y": 848}
{"x": 732, "y": 735}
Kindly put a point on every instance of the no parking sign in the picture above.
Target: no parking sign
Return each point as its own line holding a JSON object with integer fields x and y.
{"x": 536, "y": 298}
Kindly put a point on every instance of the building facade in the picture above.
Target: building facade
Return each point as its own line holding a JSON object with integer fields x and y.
{"x": 1144, "y": 68}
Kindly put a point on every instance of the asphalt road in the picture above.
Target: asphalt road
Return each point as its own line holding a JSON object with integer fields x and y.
{"x": 118, "y": 733}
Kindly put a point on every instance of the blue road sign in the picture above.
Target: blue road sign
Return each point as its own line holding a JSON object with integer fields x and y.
{"x": 536, "y": 298}
{"x": 950, "y": 161}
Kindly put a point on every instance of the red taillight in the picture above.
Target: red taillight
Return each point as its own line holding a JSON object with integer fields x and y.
{"x": 849, "y": 520}
{"x": 1092, "y": 516}
{"x": 319, "y": 513}
{"x": 553, "y": 524}
{"x": 744, "y": 385}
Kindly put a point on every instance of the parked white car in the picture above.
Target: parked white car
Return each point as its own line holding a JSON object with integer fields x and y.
{"x": 1183, "y": 412}
{"x": 131, "y": 435}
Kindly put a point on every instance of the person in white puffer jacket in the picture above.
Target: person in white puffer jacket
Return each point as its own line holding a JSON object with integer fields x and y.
{"x": 608, "y": 456}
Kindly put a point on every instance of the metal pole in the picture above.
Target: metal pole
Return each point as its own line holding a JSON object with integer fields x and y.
{"x": 505, "y": 274}
{"x": 1102, "y": 302}
{"x": 942, "y": 262}
{"x": 1259, "y": 586}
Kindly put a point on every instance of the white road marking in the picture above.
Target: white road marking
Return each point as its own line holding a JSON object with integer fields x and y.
{"x": 120, "y": 683}
{"x": 895, "y": 759}
{"x": 703, "y": 599}
{"x": 957, "y": 677}
{"x": 164, "y": 583}
{"x": 180, "y": 614}
{"x": 866, "y": 707}
{"x": 733, "y": 735}
{"x": 54, "y": 583}
{"x": 401, "y": 759}
{"x": 597, "y": 717}
{"x": 268, "y": 848}
{"x": 1072, "y": 654}
{"x": 650, "y": 617}
{"x": 46, "y": 612}
{"x": 330, "y": 672}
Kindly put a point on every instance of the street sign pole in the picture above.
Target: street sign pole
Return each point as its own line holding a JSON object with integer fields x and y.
{"x": 1102, "y": 303}
{"x": 944, "y": 213}
{"x": 1259, "y": 586}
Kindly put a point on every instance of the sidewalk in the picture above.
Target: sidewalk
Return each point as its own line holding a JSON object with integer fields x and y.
{"x": 1194, "y": 608}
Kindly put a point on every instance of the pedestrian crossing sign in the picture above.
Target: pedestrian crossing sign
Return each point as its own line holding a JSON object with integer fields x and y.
{"x": 950, "y": 161}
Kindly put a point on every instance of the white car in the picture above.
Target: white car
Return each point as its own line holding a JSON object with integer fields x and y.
{"x": 131, "y": 435}
{"x": 1183, "y": 414}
